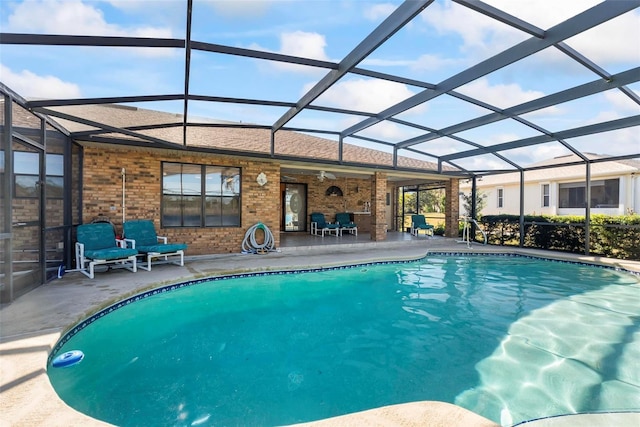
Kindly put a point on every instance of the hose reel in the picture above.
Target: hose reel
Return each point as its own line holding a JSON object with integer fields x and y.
{"x": 250, "y": 243}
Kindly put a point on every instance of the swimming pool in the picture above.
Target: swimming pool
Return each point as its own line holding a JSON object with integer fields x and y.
{"x": 498, "y": 335}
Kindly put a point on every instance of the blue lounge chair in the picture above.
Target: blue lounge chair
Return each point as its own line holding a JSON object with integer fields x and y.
{"x": 418, "y": 224}
{"x": 140, "y": 234}
{"x": 96, "y": 245}
{"x": 344, "y": 219}
{"x": 319, "y": 226}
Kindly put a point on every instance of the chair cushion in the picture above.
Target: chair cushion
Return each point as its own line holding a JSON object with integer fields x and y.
{"x": 163, "y": 249}
{"x": 96, "y": 236}
{"x": 344, "y": 219}
{"x": 142, "y": 231}
{"x": 319, "y": 219}
{"x": 110, "y": 254}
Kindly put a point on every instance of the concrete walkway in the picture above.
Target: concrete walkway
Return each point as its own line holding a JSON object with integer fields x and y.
{"x": 31, "y": 325}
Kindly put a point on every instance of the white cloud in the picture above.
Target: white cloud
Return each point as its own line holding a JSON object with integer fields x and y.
{"x": 615, "y": 41}
{"x": 542, "y": 13}
{"x": 387, "y": 131}
{"x": 613, "y": 143}
{"x": 374, "y": 62}
{"x": 370, "y": 95}
{"x": 432, "y": 62}
{"x": 71, "y": 17}
{"x": 302, "y": 44}
{"x": 379, "y": 12}
{"x": 526, "y": 156}
{"x": 501, "y": 95}
{"x": 484, "y": 162}
{"x": 425, "y": 62}
{"x": 31, "y": 85}
{"x": 482, "y": 36}
{"x": 240, "y": 8}
{"x": 621, "y": 102}
{"x": 307, "y": 45}
{"x": 364, "y": 95}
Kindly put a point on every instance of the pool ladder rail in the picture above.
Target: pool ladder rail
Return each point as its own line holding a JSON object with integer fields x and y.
{"x": 466, "y": 231}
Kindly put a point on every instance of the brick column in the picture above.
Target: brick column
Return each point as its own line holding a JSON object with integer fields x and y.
{"x": 378, "y": 206}
{"x": 452, "y": 208}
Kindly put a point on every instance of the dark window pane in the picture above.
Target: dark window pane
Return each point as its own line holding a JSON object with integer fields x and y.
{"x": 231, "y": 211}
{"x": 213, "y": 209}
{"x": 171, "y": 211}
{"x": 55, "y": 187}
{"x": 192, "y": 211}
{"x": 26, "y": 186}
{"x": 612, "y": 189}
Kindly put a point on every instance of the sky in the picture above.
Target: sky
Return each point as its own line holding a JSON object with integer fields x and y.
{"x": 445, "y": 39}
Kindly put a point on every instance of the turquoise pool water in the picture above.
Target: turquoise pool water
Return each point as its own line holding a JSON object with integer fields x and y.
{"x": 510, "y": 338}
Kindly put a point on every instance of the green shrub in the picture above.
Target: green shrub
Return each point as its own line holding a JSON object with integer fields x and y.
{"x": 610, "y": 236}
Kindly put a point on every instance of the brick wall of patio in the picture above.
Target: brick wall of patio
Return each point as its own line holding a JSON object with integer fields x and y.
{"x": 102, "y": 194}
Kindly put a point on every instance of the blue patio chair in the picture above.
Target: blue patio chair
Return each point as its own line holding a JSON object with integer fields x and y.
{"x": 418, "y": 224}
{"x": 319, "y": 226}
{"x": 141, "y": 235}
{"x": 344, "y": 219}
{"x": 96, "y": 245}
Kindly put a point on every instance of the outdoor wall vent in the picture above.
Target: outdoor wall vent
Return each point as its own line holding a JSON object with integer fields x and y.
{"x": 334, "y": 191}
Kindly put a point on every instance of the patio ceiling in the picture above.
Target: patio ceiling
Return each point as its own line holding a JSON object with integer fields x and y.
{"x": 537, "y": 88}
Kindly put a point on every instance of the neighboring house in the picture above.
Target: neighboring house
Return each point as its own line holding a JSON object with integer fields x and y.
{"x": 615, "y": 188}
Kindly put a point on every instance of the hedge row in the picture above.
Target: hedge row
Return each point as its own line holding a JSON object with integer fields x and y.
{"x": 610, "y": 236}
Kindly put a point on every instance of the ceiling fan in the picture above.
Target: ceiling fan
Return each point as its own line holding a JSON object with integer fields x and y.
{"x": 322, "y": 175}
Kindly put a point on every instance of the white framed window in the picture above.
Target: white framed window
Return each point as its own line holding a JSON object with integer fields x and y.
{"x": 544, "y": 190}
{"x": 500, "y": 197}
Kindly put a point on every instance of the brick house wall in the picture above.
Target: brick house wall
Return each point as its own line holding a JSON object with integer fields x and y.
{"x": 102, "y": 194}
{"x": 355, "y": 192}
{"x": 452, "y": 208}
{"x": 378, "y": 207}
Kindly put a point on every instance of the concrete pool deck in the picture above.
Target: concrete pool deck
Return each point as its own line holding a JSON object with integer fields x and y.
{"x": 32, "y": 324}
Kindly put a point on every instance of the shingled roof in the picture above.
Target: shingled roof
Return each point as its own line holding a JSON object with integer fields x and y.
{"x": 221, "y": 136}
